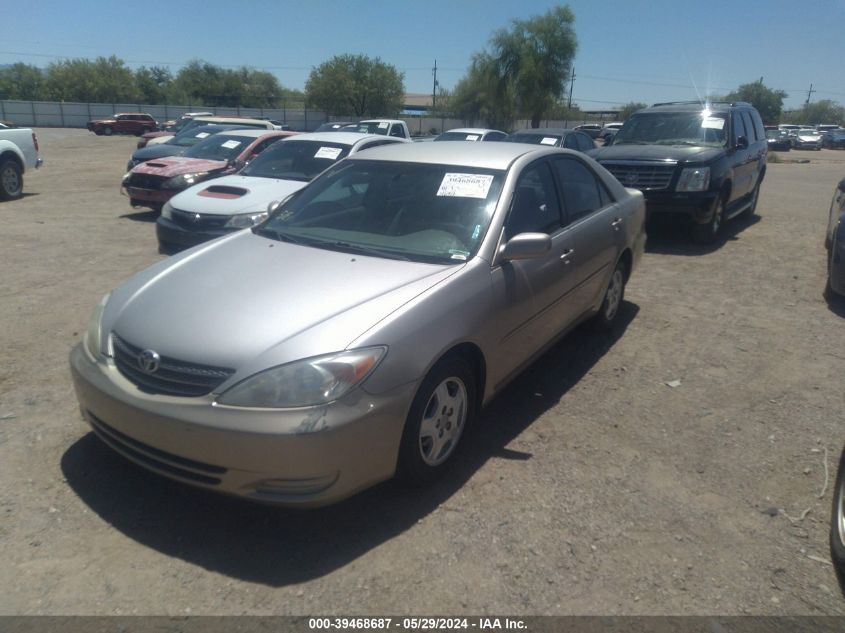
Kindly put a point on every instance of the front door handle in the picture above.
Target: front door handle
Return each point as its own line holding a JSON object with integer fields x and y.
{"x": 566, "y": 255}
{"x": 616, "y": 222}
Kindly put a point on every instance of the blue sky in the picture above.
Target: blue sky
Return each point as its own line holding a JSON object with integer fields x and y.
{"x": 628, "y": 50}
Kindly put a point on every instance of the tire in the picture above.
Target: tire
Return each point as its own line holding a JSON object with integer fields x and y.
{"x": 613, "y": 296}
{"x": 837, "y": 525}
{"x": 441, "y": 413}
{"x": 11, "y": 179}
{"x": 107, "y": 130}
{"x": 709, "y": 233}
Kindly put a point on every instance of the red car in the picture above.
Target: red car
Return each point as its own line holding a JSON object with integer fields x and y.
{"x": 136, "y": 123}
{"x": 153, "y": 183}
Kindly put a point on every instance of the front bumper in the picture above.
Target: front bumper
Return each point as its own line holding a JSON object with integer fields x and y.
{"x": 170, "y": 234}
{"x": 836, "y": 272}
{"x": 155, "y": 197}
{"x": 304, "y": 457}
{"x": 697, "y": 205}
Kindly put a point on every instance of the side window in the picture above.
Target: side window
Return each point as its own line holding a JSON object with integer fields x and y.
{"x": 582, "y": 193}
{"x": 739, "y": 126}
{"x": 535, "y": 208}
{"x": 263, "y": 145}
{"x": 758, "y": 124}
{"x": 494, "y": 136}
{"x": 570, "y": 141}
{"x": 585, "y": 142}
{"x": 749, "y": 127}
{"x": 397, "y": 130}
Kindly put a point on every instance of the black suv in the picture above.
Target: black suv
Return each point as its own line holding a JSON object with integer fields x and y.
{"x": 705, "y": 161}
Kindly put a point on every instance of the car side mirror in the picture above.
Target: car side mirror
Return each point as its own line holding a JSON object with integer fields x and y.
{"x": 525, "y": 246}
{"x": 742, "y": 142}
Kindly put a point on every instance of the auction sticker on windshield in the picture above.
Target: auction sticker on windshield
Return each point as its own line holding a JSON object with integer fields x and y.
{"x": 548, "y": 140}
{"x": 465, "y": 185}
{"x": 231, "y": 144}
{"x": 328, "y": 152}
{"x": 713, "y": 123}
{"x": 202, "y": 135}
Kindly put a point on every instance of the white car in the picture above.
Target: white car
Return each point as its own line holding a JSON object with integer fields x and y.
{"x": 211, "y": 209}
{"x": 471, "y": 134}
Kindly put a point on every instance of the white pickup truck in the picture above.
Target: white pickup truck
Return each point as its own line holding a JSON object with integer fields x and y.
{"x": 386, "y": 127}
{"x": 18, "y": 152}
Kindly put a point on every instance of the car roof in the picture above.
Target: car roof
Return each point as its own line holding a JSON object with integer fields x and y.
{"x": 697, "y": 106}
{"x": 544, "y": 131}
{"x": 482, "y": 155}
{"x": 471, "y": 130}
{"x": 254, "y": 132}
{"x": 345, "y": 138}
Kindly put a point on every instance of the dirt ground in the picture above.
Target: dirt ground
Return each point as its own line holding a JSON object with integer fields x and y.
{"x": 592, "y": 486}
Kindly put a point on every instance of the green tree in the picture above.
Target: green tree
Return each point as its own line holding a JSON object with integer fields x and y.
{"x": 104, "y": 80}
{"x": 824, "y": 111}
{"x": 767, "y": 101}
{"x": 22, "y": 82}
{"x": 535, "y": 57}
{"x": 202, "y": 83}
{"x": 356, "y": 85}
{"x": 483, "y": 95}
{"x": 629, "y": 108}
{"x": 153, "y": 83}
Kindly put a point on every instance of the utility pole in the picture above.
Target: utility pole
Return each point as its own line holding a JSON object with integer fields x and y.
{"x": 434, "y": 87}
{"x": 809, "y": 92}
{"x": 571, "y": 85}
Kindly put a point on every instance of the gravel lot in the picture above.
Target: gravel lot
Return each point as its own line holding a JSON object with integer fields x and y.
{"x": 592, "y": 486}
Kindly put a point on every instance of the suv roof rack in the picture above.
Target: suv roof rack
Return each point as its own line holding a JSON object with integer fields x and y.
{"x": 702, "y": 103}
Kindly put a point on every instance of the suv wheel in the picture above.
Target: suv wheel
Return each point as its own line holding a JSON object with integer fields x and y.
{"x": 707, "y": 233}
{"x": 107, "y": 130}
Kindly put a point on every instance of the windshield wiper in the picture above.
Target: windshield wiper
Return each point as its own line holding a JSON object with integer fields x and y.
{"x": 273, "y": 234}
{"x": 362, "y": 250}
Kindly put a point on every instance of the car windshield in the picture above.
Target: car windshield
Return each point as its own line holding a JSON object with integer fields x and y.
{"x": 220, "y": 147}
{"x": 189, "y": 138}
{"x": 459, "y": 136}
{"x": 775, "y": 134}
{"x": 373, "y": 127}
{"x": 417, "y": 212}
{"x": 534, "y": 139}
{"x": 682, "y": 128}
{"x": 296, "y": 160}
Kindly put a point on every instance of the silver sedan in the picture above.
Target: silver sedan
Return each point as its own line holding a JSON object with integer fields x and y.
{"x": 357, "y": 332}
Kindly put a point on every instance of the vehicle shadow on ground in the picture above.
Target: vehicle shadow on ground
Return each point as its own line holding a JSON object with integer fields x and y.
{"x": 278, "y": 547}
{"x": 141, "y": 216}
{"x": 671, "y": 235}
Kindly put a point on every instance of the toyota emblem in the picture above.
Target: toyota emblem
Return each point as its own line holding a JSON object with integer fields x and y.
{"x": 149, "y": 361}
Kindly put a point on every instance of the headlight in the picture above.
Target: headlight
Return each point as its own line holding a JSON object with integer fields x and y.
{"x": 245, "y": 220}
{"x": 167, "y": 211}
{"x": 694, "y": 179}
{"x": 132, "y": 163}
{"x": 183, "y": 180}
{"x": 93, "y": 334}
{"x": 308, "y": 382}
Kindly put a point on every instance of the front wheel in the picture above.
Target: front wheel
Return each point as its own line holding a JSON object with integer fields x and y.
{"x": 707, "y": 233}
{"x": 107, "y": 131}
{"x": 837, "y": 525}
{"x": 440, "y": 414}
{"x": 11, "y": 179}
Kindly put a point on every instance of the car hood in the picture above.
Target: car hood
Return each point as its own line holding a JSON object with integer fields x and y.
{"x": 248, "y": 302}
{"x": 677, "y": 153}
{"x": 157, "y": 151}
{"x": 234, "y": 194}
{"x": 175, "y": 165}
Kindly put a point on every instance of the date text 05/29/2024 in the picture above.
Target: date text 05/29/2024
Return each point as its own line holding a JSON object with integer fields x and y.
{"x": 414, "y": 624}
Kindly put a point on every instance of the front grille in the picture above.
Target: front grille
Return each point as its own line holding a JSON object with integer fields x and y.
{"x": 198, "y": 221}
{"x": 155, "y": 458}
{"x": 643, "y": 176}
{"x": 173, "y": 377}
{"x": 145, "y": 181}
